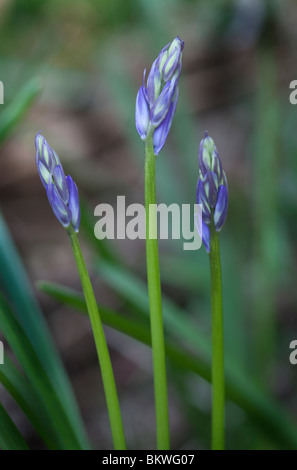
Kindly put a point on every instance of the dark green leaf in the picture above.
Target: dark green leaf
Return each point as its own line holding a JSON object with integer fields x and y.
{"x": 10, "y": 437}
{"x": 29, "y": 360}
{"x": 15, "y": 284}
{"x": 26, "y": 397}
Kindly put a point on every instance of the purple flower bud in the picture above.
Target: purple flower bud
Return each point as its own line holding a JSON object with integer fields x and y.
{"x": 200, "y": 194}
{"x": 201, "y": 199}
{"x": 171, "y": 63}
{"x": 142, "y": 113}
{"x": 62, "y": 192}
{"x": 57, "y": 160}
{"x": 182, "y": 44}
{"x": 161, "y": 106}
{"x": 73, "y": 203}
{"x": 209, "y": 160}
{"x": 38, "y": 142}
{"x": 210, "y": 185}
{"x": 44, "y": 174}
{"x": 162, "y": 131}
{"x": 225, "y": 182}
{"x": 203, "y": 232}
{"x": 163, "y": 56}
{"x": 156, "y": 103}
{"x": 206, "y": 150}
{"x": 212, "y": 188}
{"x": 154, "y": 83}
{"x": 217, "y": 166}
{"x": 221, "y": 208}
{"x": 45, "y": 154}
{"x": 59, "y": 207}
{"x": 61, "y": 183}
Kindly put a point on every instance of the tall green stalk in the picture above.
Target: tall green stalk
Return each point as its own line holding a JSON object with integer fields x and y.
{"x": 154, "y": 290}
{"x": 101, "y": 346}
{"x": 217, "y": 368}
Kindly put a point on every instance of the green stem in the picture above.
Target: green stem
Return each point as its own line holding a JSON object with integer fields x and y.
{"x": 217, "y": 370}
{"x": 154, "y": 290}
{"x": 101, "y": 346}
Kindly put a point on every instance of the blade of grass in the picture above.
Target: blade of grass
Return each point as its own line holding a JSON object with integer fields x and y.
{"x": 26, "y": 397}
{"x": 28, "y": 359}
{"x": 15, "y": 284}
{"x": 10, "y": 437}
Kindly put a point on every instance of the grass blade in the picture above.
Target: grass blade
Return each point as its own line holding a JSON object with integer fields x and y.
{"x": 10, "y": 437}
{"x": 28, "y": 359}
{"x": 15, "y": 284}
{"x": 26, "y": 397}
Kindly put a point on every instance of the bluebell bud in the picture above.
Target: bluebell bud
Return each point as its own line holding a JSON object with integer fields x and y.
{"x": 61, "y": 191}
{"x": 157, "y": 97}
{"x": 203, "y": 231}
{"x": 212, "y": 189}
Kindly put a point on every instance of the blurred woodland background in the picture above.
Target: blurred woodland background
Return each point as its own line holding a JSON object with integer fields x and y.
{"x": 88, "y": 58}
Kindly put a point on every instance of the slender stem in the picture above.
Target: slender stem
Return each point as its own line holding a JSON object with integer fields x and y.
{"x": 217, "y": 370}
{"x": 154, "y": 290}
{"x": 101, "y": 346}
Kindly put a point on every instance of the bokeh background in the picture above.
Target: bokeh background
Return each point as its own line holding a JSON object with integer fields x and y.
{"x": 87, "y": 57}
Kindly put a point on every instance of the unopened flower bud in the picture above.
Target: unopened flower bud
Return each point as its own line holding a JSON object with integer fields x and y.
{"x": 212, "y": 188}
{"x": 142, "y": 113}
{"x": 157, "y": 99}
{"x": 173, "y": 60}
{"x": 61, "y": 191}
